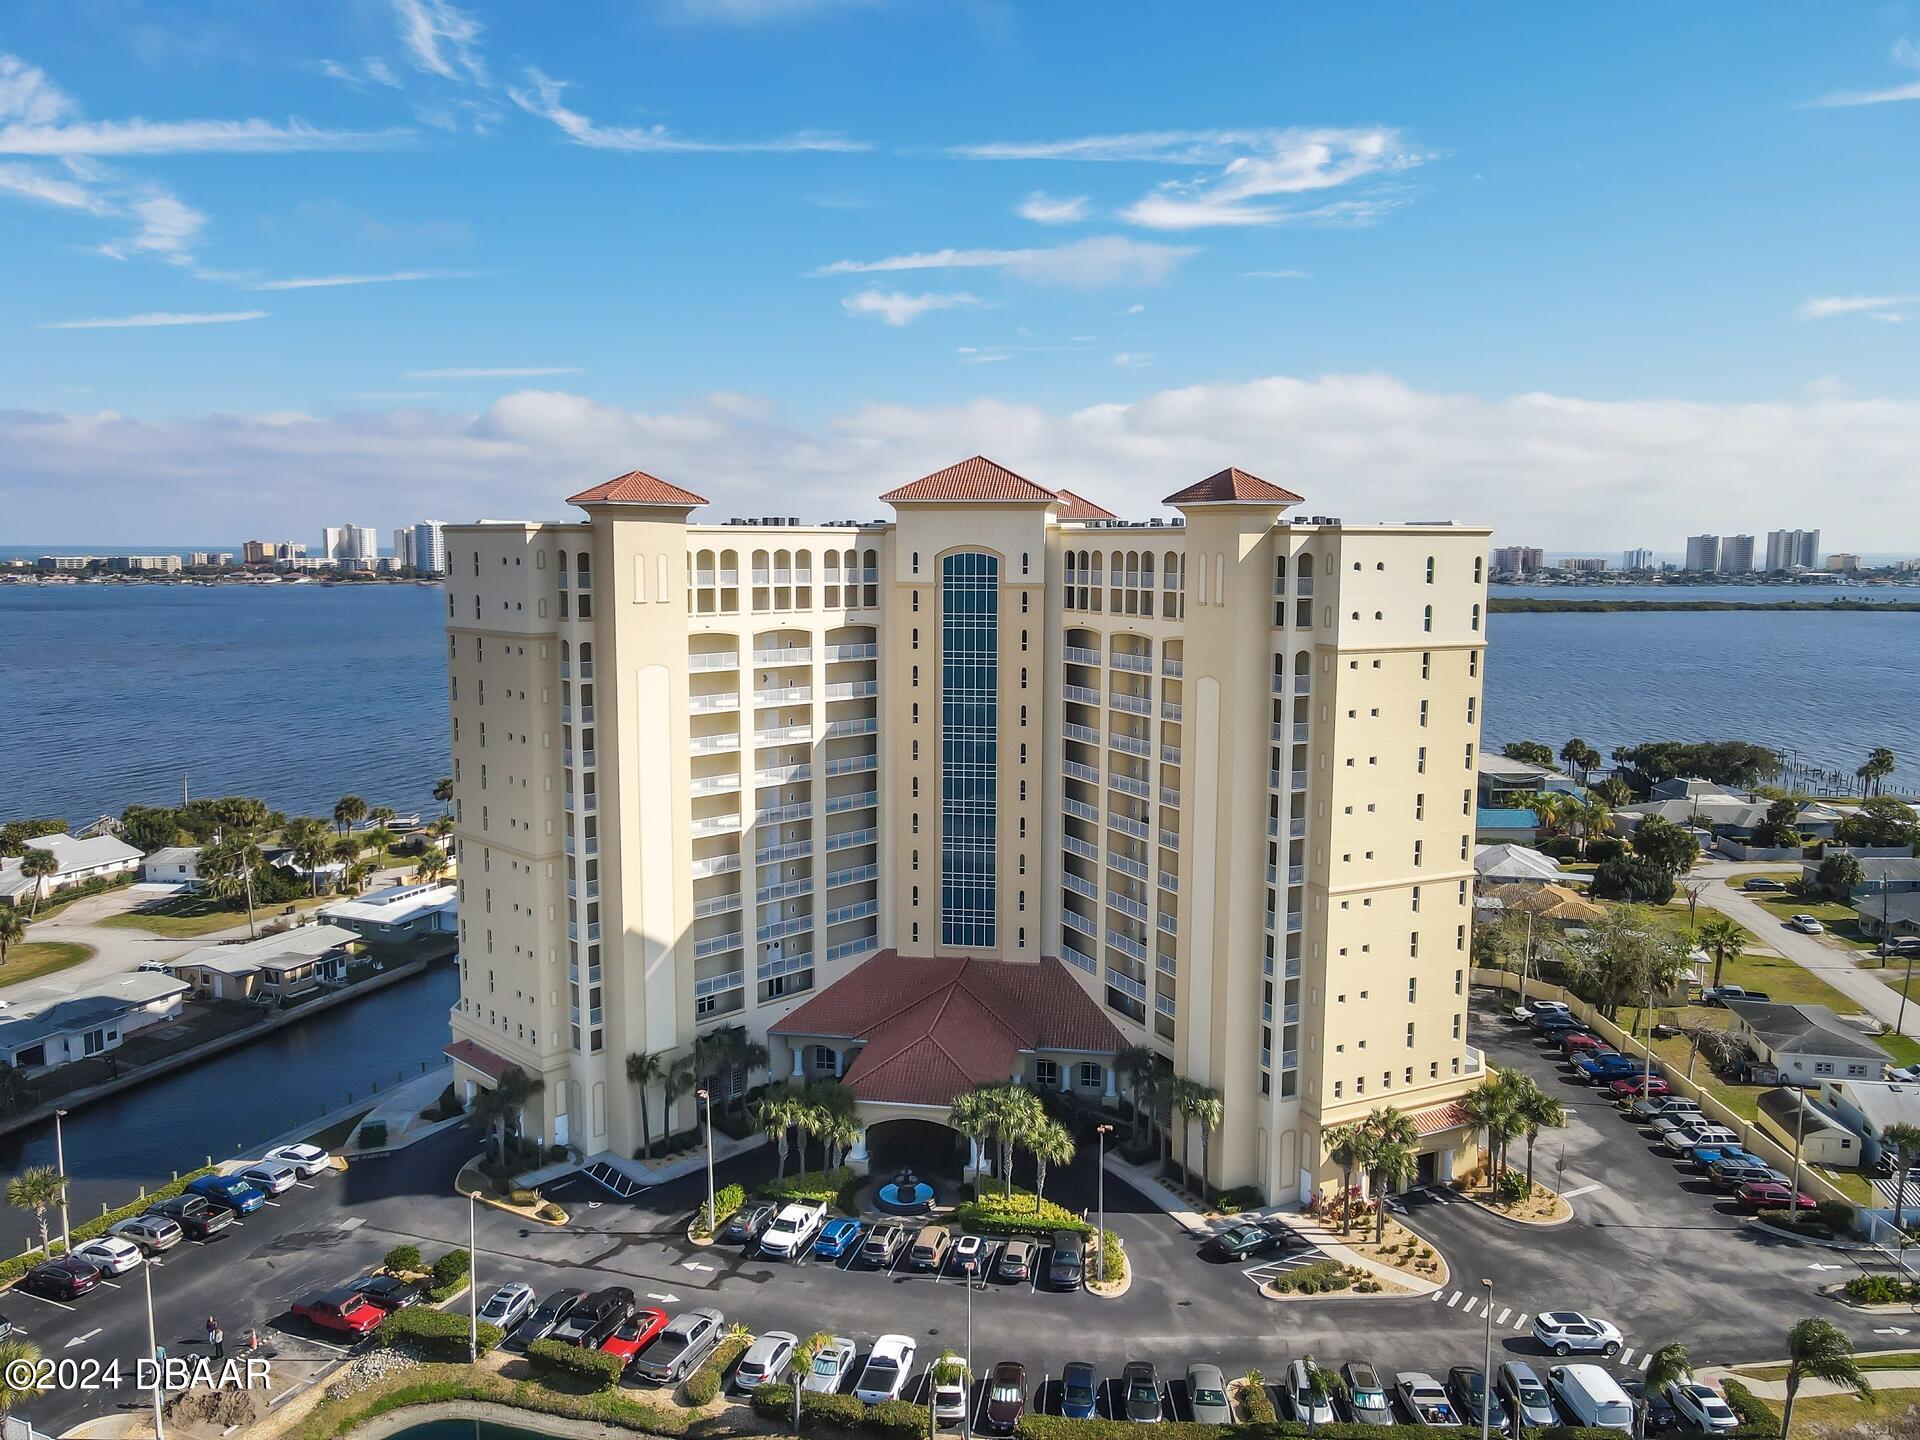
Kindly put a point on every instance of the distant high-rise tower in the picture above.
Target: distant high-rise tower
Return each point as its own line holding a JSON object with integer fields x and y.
{"x": 1703, "y": 553}
{"x": 1736, "y": 555}
{"x": 1793, "y": 549}
{"x": 430, "y": 547}
{"x": 1636, "y": 560}
{"x": 403, "y": 547}
{"x": 1518, "y": 560}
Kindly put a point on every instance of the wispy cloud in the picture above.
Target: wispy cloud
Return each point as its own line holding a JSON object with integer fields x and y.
{"x": 757, "y": 12}
{"x": 897, "y": 308}
{"x": 442, "y": 39}
{"x": 1094, "y": 263}
{"x": 978, "y": 355}
{"x": 1905, "y": 54}
{"x": 1879, "y": 307}
{"x": 496, "y": 372}
{"x": 358, "y": 74}
{"x": 155, "y": 318}
{"x": 1045, "y": 209}
{"x": 1132, "y": 359}
{"x": 34, "y": 184}
{"x": 328, "y": 282}
{"x": 147, "y": 137}
{"x": 541, "y": 96}
{"x": 1276, "y": 275}
{"x": 168, "y": 226}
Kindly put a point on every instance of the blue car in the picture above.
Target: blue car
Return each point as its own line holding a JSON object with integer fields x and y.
{"x": 837, "y": 1237}
{"x": 229, "y": 1192}
{"x": 1079, "y": 1390}
{"x": 1708, "y": 1156}
{"x": 1601, "y": 1068}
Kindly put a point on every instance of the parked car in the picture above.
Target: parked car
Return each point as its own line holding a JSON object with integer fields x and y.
{"x": 969, "y": 1254}
{"x": 596, "y": 1316}
{"x": 1694, "y": 1131}
{"x": 544, "y": 1321}
{"x": 1660, "y": 1416}
{"x": 1565, "y": 1331}
{"x": 633, "y": 1334}
{"x": 1239, "y": 1241}
{"x": 65, "y": 1277}
{"x": 1899, "y": 945}
{"x": 1635, "y": 1086}
{"x": 1140, "y": 1392}
{"x": 1706, "y": 1156}
{"x": 930, "y": 1247}
{"x": 1007, "y": 1396}
{"x": 309, "y": 1160}
{"x": 1603, "y": 1069}
{"x": 1467, "y": 1384}
{"x": 1590, "y": 1396}
{"x": 1555, "y": 1024}
{"x": 1534, "y": 1011}
{"x": 832, "y": 1363}
{"x": 745, "y": 1225}
{"x": 1758, "y": 883}
{"x": 1806, "y": 925}
{"x": 1701, "y": 1406}
{"x": 883, "y": 1242}
{"x": 947, "y": 1398}
{"x": 389, "y": 1292}
{"x": 765, "y": 1361}
{"x": 1302, "y": 1403}
{"x": 1524, "y": 1395}
{"x": 1732, "y": 1174}
{"x": 1584, "y": 1042}
{"x": 229, "y": 1191}
{"x": 1079, "y": 1390}
{"x": 791, "y": 1231}
{"x": 1721, "y": 994}
{"x": 1067, "y": 1267}
{"x": 837, "y": 1237}
{"x": 1207, "y": 1395}
{"x": 1426, "y": 1402}
{"x": 678, "y": 1350}
{"x": 344, "y": 1311}
{"x": 508, "y": 1305}
{"x": 194, "y": 1215}
{"x": 155, "y": 1234}
{"x": 1365, "y": 1401}
{"x": 1906, "y": 1074}
{"x": 1773, "y": 1195}
{"x": 110, "y": 1254}
{"x": 1016, "y": 1259}
{"x": 271, "y": 1177}
{"x": 1651, "y": 1108}
{"x": 888, "y": 1365}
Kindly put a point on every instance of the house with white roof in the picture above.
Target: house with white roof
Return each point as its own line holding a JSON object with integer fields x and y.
{"x": 173, "y": 865}
{"x": 94, "y": 858}
{"x": 1804, "y": 1044}
{"x": 1870, "y": 1107}
{"x": 52, "y": 1025}
{"x": 401, "y": 915}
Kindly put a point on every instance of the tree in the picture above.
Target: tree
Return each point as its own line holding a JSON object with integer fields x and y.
{"x": 38, "y": 865}
{"x": 12, "y": 930}
{"x": 1622, "y": 956}
{"x": 1486, "y": 1109}
{"x": 1594, "y": 817}
{"x": 1880, "y": 822}
{"x": 1581, "y": 756}
{"x": 1012, "y": 1113}
{"x": 1666, "y": 1366}
{"x": 1322, "y": 1385}
{"x": 38, "y": 1190}
{"x": 312, "y": 848}
{"x": 1615, "y": 791}
{"x": 443, "y": 789}
{"x": 1051, "y": 1143}
{"x": 17, "y": 1357}
{"x": 1502, "y": 944}
{"x": 842, "y": 1134}
{"x": 149, "y": 827}
{"x": 800, "y": 1366}
{"x": 15, "y": 833}
{"x": 1904, "y": 1140}
{"x": 1819, "y": 1350}
{"x": 1395, "y": 1162}
{"x": 380, "y": 839}
{"x": 1666, "y": 844}
{"x": 1533, "y": 752}
{"x": 773, "y": 1112}
{"x": 971, "y": 1115}
{"x": 227, "y": 871}
{"x": 15, "y": 1093}
{"x": 1136, "y": 1065}
{"x": 382, "y": 813}
{"x": 500, "y": 1106}
{"x": 1839, "y": 873}
{"x": 357, "y": 875}
{"x": 349, "y": 810}
{"x": 1872, "y": 775}
{"x": 1536, "y": 1110}
{"x": 643, "y": 1069}
{"x": 432, "y": 863}
{"x": 1632, "y": 878}
{"x": 1205, "y": 1106}
{"x": 1724, "y": 940}
{"x": 726, "y": 1050}
{"x": 1347, "y": 1148}
{"x": 1737, "y": 764}
{"x": 679, "y": 1079}
{"x": 949, "y": 1369}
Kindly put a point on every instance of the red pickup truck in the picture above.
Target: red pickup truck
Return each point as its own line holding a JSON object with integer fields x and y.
{"x": 344, "y": 1311}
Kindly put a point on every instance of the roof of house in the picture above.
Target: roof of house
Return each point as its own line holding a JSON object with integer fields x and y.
{"x": 289, "y": 947}
{"x": 1711, "y": 810}
{"x": 933, "y": 1028}
{"x": 1078, "y": 507}
{"x": 1804, "y": 1030}
{"x": 477, "y": 1057}
{"x": 1505, "y": 767}
{"x": 636, "y": 487}
{"x": 977, "y": 478}
{"x": 395, "y": 905}
{"x": 1508, "y": 861}
{"x": 44, "y": 1013}
{"x": 1782, "y": 1107}
{"x": 1551, "y": 902}
{"x": 1890, "y": 869}
{"x": 1678, "y": 787}
{"x": 72, "y": 855}
{"x": 1897, "y": 907}
{"x": 1882, "y": 1102}
{"x": 174, "y": 855}
{"x": 1233, "y": 486}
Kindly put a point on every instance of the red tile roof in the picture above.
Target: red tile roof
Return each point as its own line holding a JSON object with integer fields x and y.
{"x": 477, "y": 1057}
{"x": 1077, "y": 507}
{"x": 975, "y": 479}
{"x": 934, "y": 1027}
{"x": 1450, "y": 1116}
{"x": 1233, "y": 486}
{"x": 636, "y": 487}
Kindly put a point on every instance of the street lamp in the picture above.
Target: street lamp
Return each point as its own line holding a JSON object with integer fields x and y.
{"x": 153, "y": 1353}
{"x": 706, "y": 1100}
{"x": 473, "y": 1285}
{"x": 1486, "y": 1374}
{"x": 1100, "y": 1184}
{"x": 60, "y": 1164}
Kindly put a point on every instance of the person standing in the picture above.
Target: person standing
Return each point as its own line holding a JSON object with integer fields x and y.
{"x": 219, "y": 1341}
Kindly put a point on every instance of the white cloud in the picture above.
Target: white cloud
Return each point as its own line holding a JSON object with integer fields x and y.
{"x": 357, "y": 74}
{"x": 497, "y": 372}
{"x": 757, "y": 12}
{"x": 168, "y": 226}
{"x": 1045, "y": 209}
{"x": 541, "y": 96}
{"x": 442, "y": 39}
{"x": 1879, "y": 307}
{"x": 25, "y": 180}
{"x": 1276, "y": 275}
{"x": 1289, "y": 163}
{"x": 1132, "y": 359}
{"x": 1135, "y": 309}
{"x": 28, "y": 97}
{"x": 146, "y": 137}
{"x": 155, "y": 318}
{"x": 1094, "y": 263}
{"x": 898, "y": 308}
{"x": 328, "y": 282}
{"x": 1906, "y": 54}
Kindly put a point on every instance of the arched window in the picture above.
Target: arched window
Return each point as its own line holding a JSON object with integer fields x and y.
{"x": 1429, "y": 569}
{"x": 1476, "y": 618}
{"x": 1426, "y": 619}
{"x": 566, "y": 577}
{"x": 1306, "y": 564}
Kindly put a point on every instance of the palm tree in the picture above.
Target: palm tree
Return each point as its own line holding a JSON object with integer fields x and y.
{"x": 37, "y": 864}
{"x": 1596, "y": 817}
{"x": 1322, "y": 1385}
{"x": 440, "y": 826}
{"x": 1581, "y": 756}
{"x": 227, "y": 868}
{"x": 1666, "y": 1366}
{"x": 643, "y": 1070}
{"x": 1180, "y": 1093}
{"x": 1484, "y": 1108}
{"x": 1536, "y": 1110}
{"x": 1051, "y": 1143}
{"x": 312, "y": 848}
{"x": 842, "y": 1134}
{"x": 1135, "y": 1065}
{"x": 1017, "y": 1113}
{"x": 15, "y": 1093}
{"x": 1347, "y": 1148}
{"x": 800, "y": 1365}
{"x": 1819, "y": 1350}
{"x": 949, "y": 1369}
{"x": 971, "y": 1116}
{"x": 380, "y": 839}
{"x": 357, "y": 875}
{"x": 432, "y": 863}
{"x": 1615, "y": 791}
{"x": 1904, "y": 1140}
{"x": 1723, "y": 939}
{"x": 1395, "y": 1162}
{"x": 382, "y": 813}
{"x": 773, "y": 1112}
{"x": 1205, "y": 1105}
{"x": 38, "y": 1190}
{"x": 349, "y": 810}
{"x": 16, "y": 1359}
{"x": 443, "y": 789}
{"x": 1880, "y": 764}
{"x": 499, "y": 1107}
{"x": 679, "y": 1079}
{"x": 12, "y": 930}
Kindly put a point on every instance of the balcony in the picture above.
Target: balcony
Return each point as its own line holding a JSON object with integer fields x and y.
{"x": 1170, "y": 796}
{"x": 1128, "y": 745}
{"x": 1126, "y": 945}
{"x": 716, "y": 825}
{"x": 1079, "y": 958}
{"x": 1302, "y": 684}
{"x": 1085, "y": 734}
{"x": 859, "y": 910}
{"x": 1128, "y": 907}
{"x": 1139, "y": 664}
{"x": 775, "y": 814}
{"x": 853, "y": 764}
{"x": 719, "y": 984}
{"x": 786, "y": 890}
{"x": 864, "y": 800}
{"x": 1130, "y": 868}
{"x": 1081, "y": 694}
{"x": 1172, "y": 669}
{"x": 1295, "y": 922}
{"x": 1126, "y": 984}
{"x": 778, "y": 734}
{"x": 1074, "y": 920}
{"x": 1166, "y": 923}
{"x": 716, "y": 944}
{"x": 588, "y": 846}
{"x": 848, "y": 839}
{"x": 791, "y": 655}
{"x": 852, "y": 652}
{"x": 853, "y": 875}
{"x": 1170, "y": 839}
{"x": 706, "y": 704}
{"x": 1080, "y": 808}
{"x": 702, "y": 785}
{"x": 1136, "y": 828}
{"x": 1163, "y": 1003}
{"x": 784, "y": 965}
{"x": 1131, "y": 704}
{"x": 577, "y": 931}
{"x": 583, "y": 889}
{"x": 1074, "y": 770}
{"x": 1127, "y": 785}
{"x": 1080, "y": 887}
{"x": 1165, "y": 963}
{"x": 1080, "y": 655}
{"x": 859, "y": 945}
{"x": 1169, "y": 711}
{"x": 852, "y": 689}
{"x": 1303, "y": 586}
{"x": 716, "y": 905}
{"x": 774, "y": 854}
{"x": 1297, "y": 828}
{"x": 864, "y": 725}
{"x": 784, "y": 695}
{"x": 1299, "y": 780}
{"x": 724, "y": 744}
{"x": 1169, "y": 882}
{"x": 715, "y": 660}
{"x": 780, "y": 774}
{"x": 780, "y": 929}
{"x": 715, "y": 865}
{"x": 1079, "y": 847}
{"x": 1474, "y": 1062}
{"x": 1170, "y": 754}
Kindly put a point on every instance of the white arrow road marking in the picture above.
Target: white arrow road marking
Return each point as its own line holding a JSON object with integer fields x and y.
{"x": 694, "y": 1265}
{"x": 82, "y": 1339}
{"x": 1892, "y": 1330}
{"x": 663, "y": 1299}
{"x": 1818, "y": 1266}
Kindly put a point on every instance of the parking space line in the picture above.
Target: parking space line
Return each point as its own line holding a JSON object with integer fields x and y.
{"x": 44, "y": 1299}
{"x": 1626, "y": 1356}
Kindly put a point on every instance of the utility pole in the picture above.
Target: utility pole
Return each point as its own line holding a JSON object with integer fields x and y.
{"x": 473, "y": 1287}
{"x": 1799, "y": 1134}
{"x": 1526, "y": 959}
{"x": 60, "y": 1164}
{"x": 153, "y": 1352}
{"x": 1486, "y": 1375}
{"x": 705, "y": 1098}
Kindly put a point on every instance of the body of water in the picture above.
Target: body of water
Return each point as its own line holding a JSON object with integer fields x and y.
{"x": 1736, "y": 594}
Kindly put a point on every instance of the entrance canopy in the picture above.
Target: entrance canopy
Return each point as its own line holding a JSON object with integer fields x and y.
{"x": 926, "y": 1030}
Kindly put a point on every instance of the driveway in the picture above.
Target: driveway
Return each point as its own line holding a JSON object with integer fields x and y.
{"x": 116, "y": 950}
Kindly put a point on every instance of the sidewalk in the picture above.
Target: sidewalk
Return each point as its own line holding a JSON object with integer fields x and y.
{"x": 1777, "y": 1389}
{"x": 647, "y": 1172}
{"x": 1177, "y": 1206}
{"x": 400, "y": 1109}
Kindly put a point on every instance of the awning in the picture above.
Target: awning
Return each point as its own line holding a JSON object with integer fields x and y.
{"x": 477, "y": 1057}
{"x": 1431, "y": 1121}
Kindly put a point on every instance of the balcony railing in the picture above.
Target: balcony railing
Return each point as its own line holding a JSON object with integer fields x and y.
{"x": 1075, "y": 846}
{"x": 848, "y": 839}
{"x": 790, "y": 655}
{"x": 1169, "y": 711}
{"x": 853, "y": 764}
{"x": 716, "y": 905}
{"x": 577, "y": 931}
{"x": 774, "y": 814}
{"x": 1128, "y": 745}
{"x": 719, "y": 984}
{"x": 774, "y": 854}
{"x": 1170, "y": 839}
{"x": 862, "y": 725}
{"x": 777, "y": 734}
{"x": 1080, "y": 654}
{"x": 784, "y": 965}
{"x": 1170, "y": 796}
{"x": 786, "y": 890}
{"x": 1166, "y": 923}
{"x": 715, "y": 865}
{"x": 1136, "y": 828}
{"x": 1081, "y": 809}
{"x": 1074, "y": 920}
{"x": 1163, "y": 1003}
{"x": 707, "y": 785}
{"x": 1085, "y": 734}
{"x": 852, "y": 689}
{"x": 1299, "y": 780}
{"x": 1172, "y": 669}
{"x": 780, "y": 929}
{"x": 716, "y": 825}
{"x": 1080, "y": 887}
{"x": 853, "y": 652}
{"x": 852, "y": 875}
{"x": 1127, "y": 866}
{"x": 1137, "y": 663}
{"x": 859, "y": 910}
{"x": 1126, "y": 984}
{"x": 1074, "y": 770}
{"x": 721, "y": 744}
{"x": 1127, "y": 785}
{"x": 1079, "y": 958}
{"x": 863, "y": 800}
{"x": 859, "y": 945}
{"x": 1302, "y": 684}
{"x": 1170, "y": 754}
{"x": 1127, "y": 906}
{"x": 588, "y": 846}
{"x": 1081, "y": 694}
{"x": 779, "y": 774}
{"x": 1131, "y": 704}
{"x": 1126, "y": 945}
{"x": 715, "y": 660}
{"x": 725, "y": 700}
{"x": 1169, "y": 881}
{"x": 716, "y": 944}
{"x": 783, "y": 695}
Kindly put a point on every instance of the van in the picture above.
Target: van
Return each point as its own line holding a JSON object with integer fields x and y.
{"x": 1067, "y": 1267}
{"x": 1590, "y": 1396}
{"x": 930, "y": 1247}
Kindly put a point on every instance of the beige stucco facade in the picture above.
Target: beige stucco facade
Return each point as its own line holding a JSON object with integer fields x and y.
{"x": 704, "y": 771}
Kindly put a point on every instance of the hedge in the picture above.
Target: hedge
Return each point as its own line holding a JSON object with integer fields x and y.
{"x": 1316, "y": 1277}
{"x": 1757, "y": 1420}
{"x": 435, "y": 1333}
{"x": 403, "y": 1258}
{"x": 1240, "y": 1197}
{"x": 1021, "y": 1214}
{"x": 726, "y": 1200}
{"x": 598, "y": 1368}
{"x": 703, "y": 1386}
{"x": 448, "y": 1275}
{"x": 11, "y": 1270}
{"x": 810, "y": 1186}
{"x": 828, "y": 1412}
{"x": 1879, "y": 1289}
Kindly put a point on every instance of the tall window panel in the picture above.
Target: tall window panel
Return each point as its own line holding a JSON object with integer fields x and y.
{"x": 969, "y": 745}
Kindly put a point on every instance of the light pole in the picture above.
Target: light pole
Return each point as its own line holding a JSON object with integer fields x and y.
{"x": 1486, "y": 1374}
{"x": 1799, "y": 1134}
{"x": 966, "y": 1376}
{"x": 1100, "y": 1186}
{"x": 706, "y": 1101}
{"x": 60, "y": 1164}
{"x": 473, "y": 1286}
{"x": 153, "y": 1353}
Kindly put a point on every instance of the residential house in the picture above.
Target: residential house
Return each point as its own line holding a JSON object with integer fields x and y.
{"x": 1493, "y": 826}
{"x": 400, "y": 916}
{"x": 1791, "y": 1116}
{"x": 1888, "y": 916}
{"x": 174, "y": 865}
{"x": 94, "y": 858}
{"x": 1869, "y": 1107}
{"x": 52, "y": 1025}
{"x": 1508, "y": 864}
{"x": 1501, "y": 776}
{"x": 1804, "y": 1044}
{"x": 272, "y": 969}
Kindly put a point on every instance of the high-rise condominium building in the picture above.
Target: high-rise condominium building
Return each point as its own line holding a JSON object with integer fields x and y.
{"x": 1518, "y": 560}
{"x": 1703, "y": 553}
{"x": 1584, "y": 565}
{"x": 1736, "y": 554}
{"x": 428, "y": 554}
{"x": 265, "y": 552}
{"x": 350, "y": 543}
{"x": 1636, "y": 560}
{"x": 403, "y": 546}
{"x": 989, "y": 792}
{"x": 1793, "y": 549}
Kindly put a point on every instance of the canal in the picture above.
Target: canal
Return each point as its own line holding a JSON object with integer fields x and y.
{"x": 233, "y": 1102}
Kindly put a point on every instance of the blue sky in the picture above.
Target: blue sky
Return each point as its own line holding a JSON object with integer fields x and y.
{"x": 1596, "y": 277}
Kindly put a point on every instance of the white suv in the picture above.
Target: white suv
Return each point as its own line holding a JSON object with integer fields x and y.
{"x": 1565, "y": 1331}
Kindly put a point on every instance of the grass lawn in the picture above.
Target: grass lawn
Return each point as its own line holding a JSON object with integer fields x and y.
{"x": 1839, "y": 919}
{"x": 1673, "y": 916}
{"x": 187, "y": 916}
{"x": 1852, "y": 1184}
{"x": 1785, "y": 982}
{"x": 1828, "y": 1417}
{"x": 1893, "y": 1360}
{"x": 31, "y": 959}
{"x": 1904, "y": 1049}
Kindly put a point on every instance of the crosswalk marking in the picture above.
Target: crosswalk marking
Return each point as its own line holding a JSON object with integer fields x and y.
{"x": 1436, "y": 1296}
{"x": 1455, "y": 1300}
{"x": 1646, "y": 1359}
{"x": 1626, "y": 1356}
{"x": 1520, "y": 1321}
{"x": 1505, "y": 1310}
{"x": 1470, "y": 1306}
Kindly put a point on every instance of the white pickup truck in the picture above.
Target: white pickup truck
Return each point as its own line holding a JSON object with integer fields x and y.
{"x": 790, "y": 1232}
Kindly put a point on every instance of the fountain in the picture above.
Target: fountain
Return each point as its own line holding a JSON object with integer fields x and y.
{"x": 905, "y": 1194}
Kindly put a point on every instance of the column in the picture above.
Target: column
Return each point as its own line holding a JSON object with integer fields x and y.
{"x": 799, "y": 1060}
{"x": 1111, "y": 1092}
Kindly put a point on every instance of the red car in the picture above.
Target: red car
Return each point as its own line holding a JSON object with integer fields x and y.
{"x": 1638, "y": 1086}
{"x": 1582, "y": 1043}
{"x": 1771, "y": 1195}
{"x": 344, "y": 1311}
{"x": 632, "y": 1336}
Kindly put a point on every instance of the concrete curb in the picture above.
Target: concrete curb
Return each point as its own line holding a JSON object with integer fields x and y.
{"x": 1566, "y": 1219}
{"x": 1838, "y": 1245}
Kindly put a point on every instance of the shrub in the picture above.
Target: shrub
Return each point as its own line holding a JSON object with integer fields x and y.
{"x": 553, "y": 1212}
{"x": 1314, "y": 1278}
{"x": 1113, "y": 1259}
{"x": 1633, "y": 878}
{"x": 1559, "y": 847}
{"x": 1877, "y": 1289}
{"x": 1256, "y": 1399}
{"x": 831, "y": 1412}
{"x": 703, "y": 1386}
{"x": 811, "y": 1186}
{"x": 437, "y": 1334}
{"x": 1756, "y": 1419}
{"x": 1603, "y": 848}
{"x": 1241, "y": 1197}
{"x": 1836, "y": 1215}
{"x": 402, "y": 1258}
{"x": 448, "y": 1274}
{"x": 596, "y": 1367}
{"x": 1512, "y": 1187}
{"x": 898, "y": 1420}
{"x": 1018, "y": 1214}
